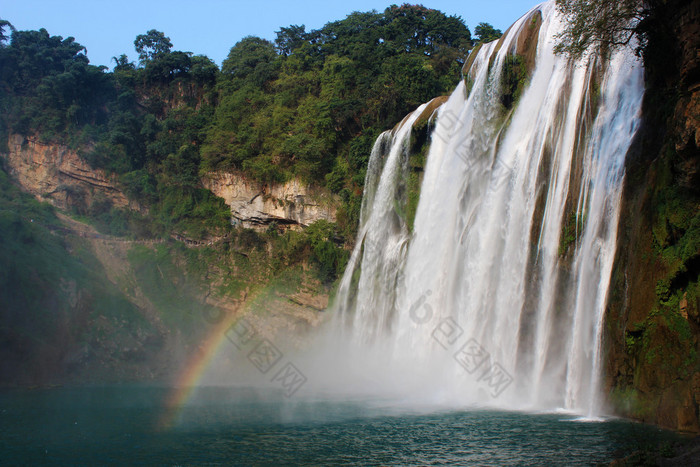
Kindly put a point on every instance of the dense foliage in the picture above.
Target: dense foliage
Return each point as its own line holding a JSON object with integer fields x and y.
{"x": 308, "y": 105}
{"x": 143, "y": 124}
{"x": 311, "y": 104}
{"x": 48, "y": 86}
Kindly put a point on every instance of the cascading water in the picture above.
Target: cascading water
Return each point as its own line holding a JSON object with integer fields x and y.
{"x": 497, "y": 296}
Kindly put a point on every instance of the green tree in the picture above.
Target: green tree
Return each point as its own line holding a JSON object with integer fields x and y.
{"x": 49, "y": 86}
{"x": 415, "y": 28}
{"x": 486, "y": 33}
{"x": 252, "y": 58}
{"x": 290, "y": 39}
{"x": 33, "y": 55}
{"x": 167, "y": 67}
{"x": 203, "y": 70}
{"x": 154, "y": 44}
{"x": 122, "y": 63}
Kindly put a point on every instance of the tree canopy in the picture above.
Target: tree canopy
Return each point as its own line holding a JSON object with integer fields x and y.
{"x": 486, "y": 33}
{"x": 49, "y": 85}
{"x": 152, "y": 45}
{"x": 309, "y": 93}
{"x": 309, "y": 105}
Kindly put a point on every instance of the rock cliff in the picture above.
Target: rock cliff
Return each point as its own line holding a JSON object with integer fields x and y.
{"x": 652, "y": 325}
{"x": 59, "y": 175}
{"x": 255, "y": 204}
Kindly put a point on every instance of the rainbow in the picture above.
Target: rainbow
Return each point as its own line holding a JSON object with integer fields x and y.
{"x": 194, "y": 369}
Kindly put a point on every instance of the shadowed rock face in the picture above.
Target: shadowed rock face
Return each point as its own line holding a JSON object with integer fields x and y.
{"x": 687, "y": 111}
{"x": 58, "y": 175}
{"x": 653, "y": 319}
{"x": 255, "y": 204}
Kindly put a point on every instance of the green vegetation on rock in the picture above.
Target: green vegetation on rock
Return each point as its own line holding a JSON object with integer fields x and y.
{"x": 653, "y": 320}
{"x": 308, "y": 105}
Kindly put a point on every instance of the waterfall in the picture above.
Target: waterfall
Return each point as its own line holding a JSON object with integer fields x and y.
{"x": 497, "y": 295}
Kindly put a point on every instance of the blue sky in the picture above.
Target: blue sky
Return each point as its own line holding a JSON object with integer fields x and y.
{"x": 108, "y": 28}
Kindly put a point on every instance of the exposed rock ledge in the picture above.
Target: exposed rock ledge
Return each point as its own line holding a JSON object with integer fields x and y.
{"x": 58, "y": 175}
{"x": 255, "y": 204}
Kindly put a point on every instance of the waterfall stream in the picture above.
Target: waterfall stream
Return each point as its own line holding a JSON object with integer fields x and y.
{"x": 497, "y": 295}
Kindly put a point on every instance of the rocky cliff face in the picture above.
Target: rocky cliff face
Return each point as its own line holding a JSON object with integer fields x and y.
{"x": 653, "y": 321}
{"x": 686, "y": 117}
{"x": 255, "y": 204}
{"x": 58, "y": 175}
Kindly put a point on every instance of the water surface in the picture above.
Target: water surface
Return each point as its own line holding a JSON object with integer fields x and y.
{"x": 119, "y": 425}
